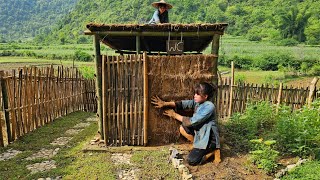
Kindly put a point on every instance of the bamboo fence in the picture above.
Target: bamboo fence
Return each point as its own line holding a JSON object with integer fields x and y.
{"x": 33, "y": 97}
{"x": 234, "y": 98}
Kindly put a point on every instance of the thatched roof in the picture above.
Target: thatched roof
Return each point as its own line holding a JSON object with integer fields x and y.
{"x": 153, "y": 38}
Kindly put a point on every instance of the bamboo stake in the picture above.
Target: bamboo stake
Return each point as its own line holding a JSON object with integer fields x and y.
{"x": 131, "y": 100}
{"x": 15, "y": 103}
{"x": 109, "y": 98}
{"x": 231, "y": 90}
{"x": 126, "y": 94}
{"x": 19, "y": 95}
{"x": 104, "y": 99}
{"x": 312, "y": 91}
{"x": 13, "y": 115}
{"x": 115, "y": 135}
{"x": 279, "y": 97}
{"x": 145, "y": 99}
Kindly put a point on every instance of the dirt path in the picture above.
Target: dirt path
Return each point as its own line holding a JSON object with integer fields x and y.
{"x": 232, "y": 167}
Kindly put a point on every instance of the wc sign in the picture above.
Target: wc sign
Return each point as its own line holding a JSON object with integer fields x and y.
{"x": 175, "y": 47}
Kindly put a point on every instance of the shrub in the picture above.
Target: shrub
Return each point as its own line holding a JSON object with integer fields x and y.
{"x": 258, "y": 119}
{"x": 315, "y": 70}
{"x": 263, "y": 155}
{"x": 272, "y": 61}
{"x": 87, "y": 72}
{"x": 298, "y": 132}
{"x": 288, "y": 42}
{"x": 82, "y": 56}
{"x": 242, "y": 62}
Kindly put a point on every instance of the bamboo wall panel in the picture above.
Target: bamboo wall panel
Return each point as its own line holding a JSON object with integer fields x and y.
{"x": 38, "y": 96}
{"x": 123, "y": 100}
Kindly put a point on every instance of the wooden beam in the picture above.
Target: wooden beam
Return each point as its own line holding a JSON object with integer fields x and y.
{"x": 98, "y": 61}
{"x": 215, "y": 44}
{"x": 148, "y": 33}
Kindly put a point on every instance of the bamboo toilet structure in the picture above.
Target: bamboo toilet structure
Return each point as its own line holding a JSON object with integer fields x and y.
{"x": 143, "y": 69}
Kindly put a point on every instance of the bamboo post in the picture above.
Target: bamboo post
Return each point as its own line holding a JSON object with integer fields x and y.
{"x": 109, "y": 99}
{"x": 12, "y": 109}
{"x": 231, "y": 90}
{"x": 145, "y": 99}
{"x": 98, "y": 61}
{"x": 312, "y": 91}
{"x": 1, "y": 134}
{"x": 105, "y": 80}
{"x": 5, "y": 104}
{"x": 279, "y": 97}
{"x": 138, "y": 44}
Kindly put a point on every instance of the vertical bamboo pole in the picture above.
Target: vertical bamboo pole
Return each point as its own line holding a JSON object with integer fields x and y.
{"x": 312, "y": 91}
{"x": 231, "y": 90}
{"x": 15, "y": 102}
{"x": 114, "y": 102}
{"x": 5, "y": 105}
{"x": 105, "y": 80}
{"x": 109, "y": 91}
{"x": 145, "y": 99}
{"x": 11, "y": 102}
{"x": 131, "y": 100}
{"x": 19, "y": 98}
{"x": 140, "y": 93}
{"x": 279, "y": 97}
{"x": 126, "y": 95}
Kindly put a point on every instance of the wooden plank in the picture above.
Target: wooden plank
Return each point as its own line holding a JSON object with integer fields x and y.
{"x": 145, "y": 99}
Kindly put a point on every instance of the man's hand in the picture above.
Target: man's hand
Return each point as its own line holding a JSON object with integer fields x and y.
{"x": 170, "y": 113}
{"x": 157, "y": 102}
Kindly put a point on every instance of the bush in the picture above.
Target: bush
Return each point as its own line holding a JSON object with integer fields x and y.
{"x": 82, "y": 56}
{"x": 87, "y": 72}
{"x": 263, "y": 155}
{"x": 258, "y": 119}
{"x": 272, "y": 61}
{"x": 298, "y": 132}
{"x": 315, "y": 70}
{"x": 242, "y": 62}
{"x": 288, "y": 42}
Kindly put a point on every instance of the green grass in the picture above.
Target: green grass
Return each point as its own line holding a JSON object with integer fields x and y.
{"x": 71, "y": 162}
{"x": 154, "y": 165}
{"x": 310, "y": 171}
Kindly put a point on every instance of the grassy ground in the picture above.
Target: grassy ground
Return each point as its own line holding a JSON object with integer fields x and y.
{"x": 72, "y": 162}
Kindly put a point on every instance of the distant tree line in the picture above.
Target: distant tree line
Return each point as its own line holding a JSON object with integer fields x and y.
{"x": 287, "y": 22}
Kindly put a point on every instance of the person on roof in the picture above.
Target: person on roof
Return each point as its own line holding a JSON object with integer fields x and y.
{"x": 161, "y": 14}
{"x": 201, "y": 128}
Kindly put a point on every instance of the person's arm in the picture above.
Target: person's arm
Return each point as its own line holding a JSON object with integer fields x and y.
{"x": 156, "y": 17}
{"x": 199, "y": 118}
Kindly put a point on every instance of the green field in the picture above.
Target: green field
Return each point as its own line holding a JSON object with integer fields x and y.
{"x": 230, "y": 48}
